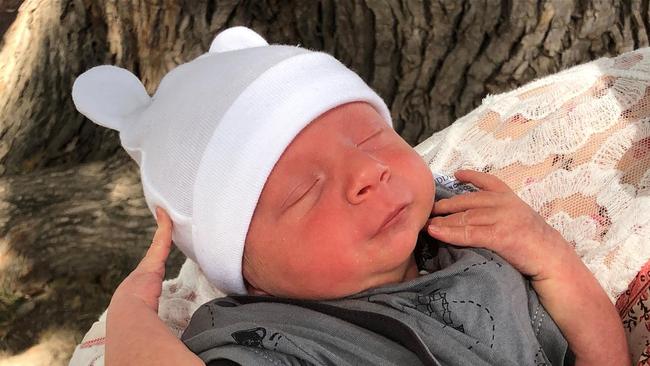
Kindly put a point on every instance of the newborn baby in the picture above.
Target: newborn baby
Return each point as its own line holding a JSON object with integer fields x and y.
{"x": 346, "y": 224}
{"x": 335, "y": 225}
{"x": 286, "y": 183}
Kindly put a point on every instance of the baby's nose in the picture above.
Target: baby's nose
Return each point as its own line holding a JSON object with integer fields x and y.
{"x": 365, "y": 177}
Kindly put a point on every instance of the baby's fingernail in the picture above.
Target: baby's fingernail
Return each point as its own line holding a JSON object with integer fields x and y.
{"x": 434, "y": 228}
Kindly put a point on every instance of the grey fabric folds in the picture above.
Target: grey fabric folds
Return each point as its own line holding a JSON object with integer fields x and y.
{"x": 473, "y": 309}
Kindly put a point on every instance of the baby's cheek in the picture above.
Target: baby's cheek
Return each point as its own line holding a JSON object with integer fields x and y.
{"x": 333, "y": 267}
{"x": 338, "y": 254}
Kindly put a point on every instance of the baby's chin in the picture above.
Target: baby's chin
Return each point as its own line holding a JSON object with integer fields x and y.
{"x": 412, "y": 228}
{"x": 403, "y": 239}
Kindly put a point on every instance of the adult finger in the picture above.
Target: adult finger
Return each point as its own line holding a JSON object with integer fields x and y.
{"x": 477, "y": 216}
{"x": 468, "y": 235}
{"x": 465, "y": 201}
{"x": 484, "y": 181}
{"x": 154, "y": 259}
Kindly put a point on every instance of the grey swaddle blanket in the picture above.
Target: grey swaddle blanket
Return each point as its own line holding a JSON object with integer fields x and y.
{"x": 472, "y": 309}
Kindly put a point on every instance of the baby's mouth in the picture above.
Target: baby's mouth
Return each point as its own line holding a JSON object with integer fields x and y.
{"x": 393, "y": 217}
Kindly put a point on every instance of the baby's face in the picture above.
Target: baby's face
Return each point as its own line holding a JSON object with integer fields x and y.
{"x": 316, "y": 232}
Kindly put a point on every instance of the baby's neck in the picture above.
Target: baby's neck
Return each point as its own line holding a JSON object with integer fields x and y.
{"x": 412, "y": 270}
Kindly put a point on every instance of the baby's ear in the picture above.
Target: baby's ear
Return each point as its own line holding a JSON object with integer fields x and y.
{"x": 107, "y": 95}
{"x": 257, "y": 292}
{"x": 252, "y": 290}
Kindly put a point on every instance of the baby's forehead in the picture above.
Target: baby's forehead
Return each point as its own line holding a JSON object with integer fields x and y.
{"x": 334, "y": 130}
{"x": 347, "y": 121}
{"x": 331, "y": 136}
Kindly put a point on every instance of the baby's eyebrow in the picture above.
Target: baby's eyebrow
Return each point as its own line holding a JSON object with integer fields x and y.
{"x": 375, "y": 133}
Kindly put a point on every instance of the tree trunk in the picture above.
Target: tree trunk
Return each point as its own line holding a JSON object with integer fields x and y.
{"x": 73, "y": 217}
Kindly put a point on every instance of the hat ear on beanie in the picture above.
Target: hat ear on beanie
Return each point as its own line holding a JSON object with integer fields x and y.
{"x": 107, "y": 95}
{"x": 111, "y": 97}
{"x": 233, "y": 39}
{"x": 236, "y": 38}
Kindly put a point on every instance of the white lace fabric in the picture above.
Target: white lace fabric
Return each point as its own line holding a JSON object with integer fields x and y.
{"x": 576, "y": 147}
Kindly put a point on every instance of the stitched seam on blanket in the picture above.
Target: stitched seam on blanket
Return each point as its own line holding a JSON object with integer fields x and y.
{"x": 93, "y": 342}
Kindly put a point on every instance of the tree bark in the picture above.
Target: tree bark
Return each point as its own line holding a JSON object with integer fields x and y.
{"x": 69, "y": 236}
{"x": 73, "y": 218}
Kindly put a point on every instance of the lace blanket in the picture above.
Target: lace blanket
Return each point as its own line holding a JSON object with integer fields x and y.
{"x": 574, "y": 145}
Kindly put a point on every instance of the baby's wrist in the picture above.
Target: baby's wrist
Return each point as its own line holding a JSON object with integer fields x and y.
{"x": 560, "y": 258}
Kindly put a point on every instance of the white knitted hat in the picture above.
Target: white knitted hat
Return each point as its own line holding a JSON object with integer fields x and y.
{"x": 209, "y": 137}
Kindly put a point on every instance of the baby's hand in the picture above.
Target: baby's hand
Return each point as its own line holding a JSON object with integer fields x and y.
{"x": 497, "y": 219}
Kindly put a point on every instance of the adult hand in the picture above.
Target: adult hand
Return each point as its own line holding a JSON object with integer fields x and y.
{"x": 135, "y": 335}
{"x": 497, "y": 219}
{"x": 145, "y": 282}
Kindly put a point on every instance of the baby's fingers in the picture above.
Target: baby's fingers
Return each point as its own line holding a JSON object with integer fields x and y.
{"x": 465, "y": 201}
{"x": 468, "y": 235}
{"x": 479, "y": 216}
{"x": 154, "y": 260}
{"x": 484, "y": 181}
